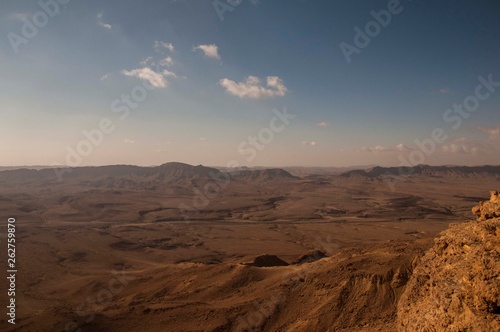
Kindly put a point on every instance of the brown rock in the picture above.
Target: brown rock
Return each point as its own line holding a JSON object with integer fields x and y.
{"x": 456, "y": 285}
{"x": 488, "y": 210}
{"x": 495, "y": 196}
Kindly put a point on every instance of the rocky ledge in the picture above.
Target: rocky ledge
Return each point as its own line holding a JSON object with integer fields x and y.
{"x": 456, "y": 285}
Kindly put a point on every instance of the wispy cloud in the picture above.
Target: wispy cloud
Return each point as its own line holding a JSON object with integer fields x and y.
{"x": 166, "y": 62}
{"x": 376, "y": 149}
{"x": 128, "y": 141}
{"x": 323, "y": 124}
{"x": 310, "y": 143}
{"x": 493, "y": 133}
{"x": 211, "y": 51}
{"x": 402, "y": 148}
{"x": 159, "y": 46}
{"x": 148, "y": 61}
{"x": 253, "y": 89}
{"x": 463, "y": 145}
{"x": 101, "y": 23}
{"x": 105, "y": 25}
{"x": 155, "y": 79}
{"x": 461, "y": 149}
{"x": 167, "y": 73}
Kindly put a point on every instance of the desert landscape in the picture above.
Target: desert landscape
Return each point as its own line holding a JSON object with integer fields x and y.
{"x": 192, "y": 248}
{"x": 249, "y": 166}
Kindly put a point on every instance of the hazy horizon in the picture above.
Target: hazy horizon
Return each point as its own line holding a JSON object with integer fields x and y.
{"x": 247, "y": 166}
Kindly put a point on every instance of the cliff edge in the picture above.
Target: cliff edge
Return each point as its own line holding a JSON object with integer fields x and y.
{"x": 456, "y": 285}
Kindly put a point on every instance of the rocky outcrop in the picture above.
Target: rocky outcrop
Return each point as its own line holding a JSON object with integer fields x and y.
{"x": 487, "y": 210}
{"x": 309, "y": 257}
{"x": 456, "y": 285}
{"x": 268, "y": 261}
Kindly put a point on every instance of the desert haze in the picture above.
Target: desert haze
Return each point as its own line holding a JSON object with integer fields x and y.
{"x": 192, "y": 248}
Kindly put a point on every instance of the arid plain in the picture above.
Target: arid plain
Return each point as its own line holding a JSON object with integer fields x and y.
{"x": 192, "y": 248}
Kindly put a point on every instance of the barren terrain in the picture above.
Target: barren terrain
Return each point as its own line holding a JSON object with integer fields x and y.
{"x": 171, "y": 248}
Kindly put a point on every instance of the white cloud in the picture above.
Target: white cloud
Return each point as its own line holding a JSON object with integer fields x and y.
{"x": 155, "y": 79}
{"x": 167, "y": 73}
{"x": 463, "y": 145}
{"x": 147, "y": 62}
{"x": 310, "y": 143}
{"x": 493, "y": 133}
{"x": 105, "y": 25}
{"x": 104, "y": 77}
{"x": 203, "y": 139}
{"x": 444, "y": 91}
{"x": 159, "y": 45}
{"x": 380, "y": 148}
{"x": 167, "y": 62}
{"x": 252, "y": 88}
{"x": 323, "y": 124}
{"x": 402, "y": 148}
{"x": 128, "y": 141}
{"x": 375, "y": 149}
{"x": 101, "y": 23}
{"x": 211, "y": 51}
{"x": 460, "y": 149}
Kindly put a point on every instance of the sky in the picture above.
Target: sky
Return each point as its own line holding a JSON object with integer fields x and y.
{"x": 247, "y": 82}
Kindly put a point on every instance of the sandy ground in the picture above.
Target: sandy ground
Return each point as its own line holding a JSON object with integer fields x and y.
{"x": 94, "y": 257}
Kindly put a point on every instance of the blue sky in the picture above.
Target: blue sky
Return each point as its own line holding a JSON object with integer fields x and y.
{"x": 213, "y": 84}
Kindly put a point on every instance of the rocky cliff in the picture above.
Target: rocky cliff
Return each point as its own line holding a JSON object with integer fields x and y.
{"x": 488, "y": 210}
{"x": 456, "y": 285}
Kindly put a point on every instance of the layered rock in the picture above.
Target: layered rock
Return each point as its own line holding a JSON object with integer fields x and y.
{"x": 456, "y": 285}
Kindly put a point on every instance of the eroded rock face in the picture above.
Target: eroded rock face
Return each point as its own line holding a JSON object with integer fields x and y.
{"x": 495, "y": 196}
{"x": 488, "y": 210}
{"x": 456, "y": 285}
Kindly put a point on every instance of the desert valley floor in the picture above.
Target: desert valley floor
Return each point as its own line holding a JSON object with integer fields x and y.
{"x": 181, "y": 248}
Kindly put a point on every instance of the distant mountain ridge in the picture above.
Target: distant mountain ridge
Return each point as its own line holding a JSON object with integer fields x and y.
{"x": 164, "y": 173}
{"x": 176, "y": 172}
{"x": 271, "y": 174}
{"x": 131, "y": 176}
{"x": 461, "y": 171}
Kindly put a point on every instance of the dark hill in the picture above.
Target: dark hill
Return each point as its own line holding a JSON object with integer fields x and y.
{"x": 436, "y": 171}
{"x": 262, "y": 175}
